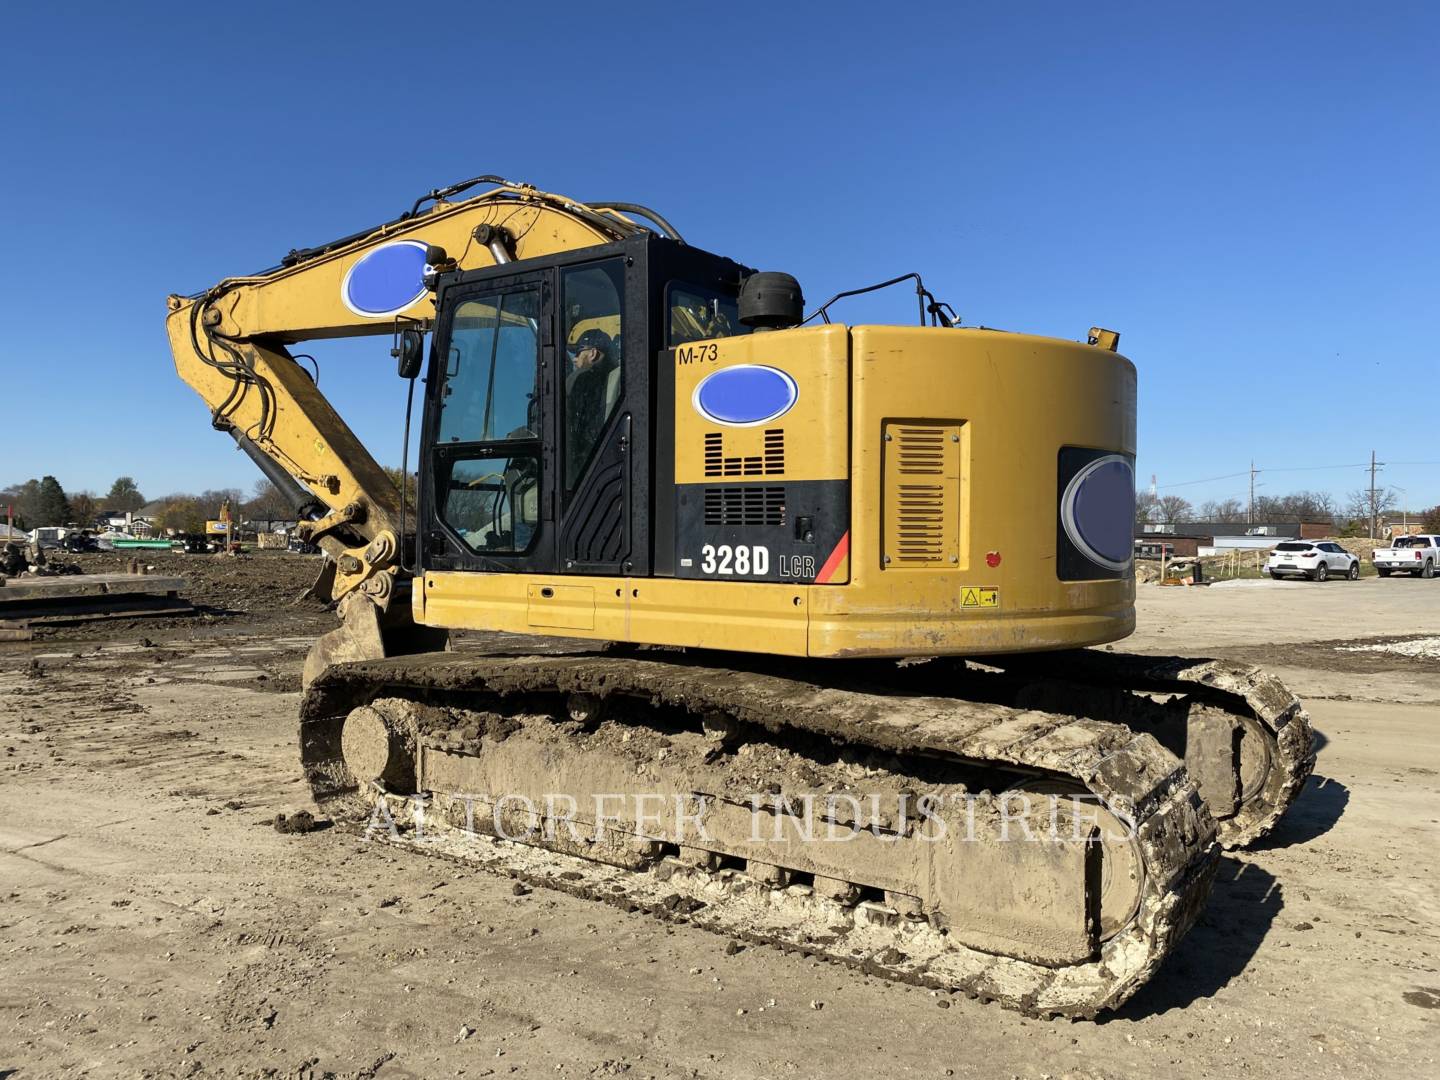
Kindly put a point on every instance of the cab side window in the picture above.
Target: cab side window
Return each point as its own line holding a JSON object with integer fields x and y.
{"x": 592, "y": 301}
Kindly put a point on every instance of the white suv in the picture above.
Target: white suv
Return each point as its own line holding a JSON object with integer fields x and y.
{"x": 1315, "y": 559}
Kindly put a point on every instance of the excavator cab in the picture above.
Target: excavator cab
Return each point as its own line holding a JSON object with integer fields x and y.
{"x": 549, "y": 406}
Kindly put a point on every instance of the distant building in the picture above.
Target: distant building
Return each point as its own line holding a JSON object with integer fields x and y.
{"x": 1407, "y": 525}
{"x": 1217, "y": 536}
{"x": 1171, "y": 545}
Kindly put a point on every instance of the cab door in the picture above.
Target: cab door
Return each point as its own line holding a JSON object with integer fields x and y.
{"x": 602, "y": 394}
{"x": 488, "y": 466}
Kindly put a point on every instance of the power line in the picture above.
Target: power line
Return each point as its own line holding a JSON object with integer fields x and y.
{"x": 1288, "y": 468}
{"x": 1207, "y": 480}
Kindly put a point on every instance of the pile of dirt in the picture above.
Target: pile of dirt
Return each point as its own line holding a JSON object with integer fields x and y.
{"x": 221, "y": 584}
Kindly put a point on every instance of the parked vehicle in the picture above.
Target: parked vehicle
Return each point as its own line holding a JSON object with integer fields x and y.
{"x": 1315, "y": 559}
{"x": 191, "y": 544}
{"x": 1418, "y": 555}
{"x": 78, "y": 543}
{"x": 48, "y": 538}
{"x": 296, "y": 546}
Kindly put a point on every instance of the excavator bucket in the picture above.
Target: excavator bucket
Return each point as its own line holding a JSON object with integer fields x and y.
{"x": 366, "y": 632}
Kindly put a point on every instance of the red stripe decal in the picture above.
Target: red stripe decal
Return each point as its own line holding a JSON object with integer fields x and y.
{"x": 841, "y": 552}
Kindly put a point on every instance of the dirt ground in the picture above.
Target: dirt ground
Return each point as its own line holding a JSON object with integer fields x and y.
{"x": 154, "y": 923}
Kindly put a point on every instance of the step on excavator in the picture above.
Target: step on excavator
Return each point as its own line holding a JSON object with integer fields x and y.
{"x": 790, "y": 624}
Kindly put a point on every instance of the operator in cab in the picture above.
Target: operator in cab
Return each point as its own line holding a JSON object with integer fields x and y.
{"x": 592, "y": 359}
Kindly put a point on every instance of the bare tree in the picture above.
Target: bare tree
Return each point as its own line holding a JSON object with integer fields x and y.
{"x": 1318, "y": 506}
{"x": 1144, "y": 507}
{"x": 1174, "y": 509}
{"x": 1367, "y": 504}
{"x": 1228, "y": 511}
{"x": 211, "y": 500}
{"x": 268, "y": 504}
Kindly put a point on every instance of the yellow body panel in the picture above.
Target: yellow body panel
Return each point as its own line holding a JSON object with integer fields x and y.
{"x": 738, "y": 616}
{"x": 1010, "y": 400}
{"x": 1020, "y": 398}
{"x": 815, "y": 428}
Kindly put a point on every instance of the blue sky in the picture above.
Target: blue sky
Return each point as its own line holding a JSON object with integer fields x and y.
{"x": 1246, "y": 191}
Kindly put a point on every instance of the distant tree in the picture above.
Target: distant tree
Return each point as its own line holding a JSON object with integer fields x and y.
{"x": 412, "y": 487}
{"x": 21, "y": 500}
{"x": 268, "y": 504}
{"x": 1229, "y": 511}
{"x": 211, "y": 500}
{"x": 124, "y": 495}
{"x": 1366, "y": 506}
{"x": 183, "y": 513}
{"x": 1316, "y": 506}
{"x": 1430, "y": 520}
{"x": 1145, "y": 504}
{"x": 51, "y": 507}
{"x": 83, "y": 509}
{"x": 1174, "y": 509}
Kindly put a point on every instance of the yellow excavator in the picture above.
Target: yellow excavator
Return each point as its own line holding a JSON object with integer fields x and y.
{"x": 789, "y": 619}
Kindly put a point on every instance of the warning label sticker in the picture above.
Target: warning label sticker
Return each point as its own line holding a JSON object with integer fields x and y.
{"x": 979, "y": 596}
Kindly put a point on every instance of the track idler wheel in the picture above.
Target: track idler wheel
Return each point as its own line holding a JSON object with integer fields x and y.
{"x": 379, "y": 747}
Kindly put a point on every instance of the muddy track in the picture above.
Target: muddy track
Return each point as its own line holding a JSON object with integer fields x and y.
{"x": 1130, "y": 773}
{"x": 1113, "y": 686}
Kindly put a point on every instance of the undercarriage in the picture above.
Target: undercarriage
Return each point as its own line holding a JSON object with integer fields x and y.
{"x": 1040, "y": 858}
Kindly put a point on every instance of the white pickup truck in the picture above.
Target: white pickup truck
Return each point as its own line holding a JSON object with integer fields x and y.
{"x": 1418, "y": 555}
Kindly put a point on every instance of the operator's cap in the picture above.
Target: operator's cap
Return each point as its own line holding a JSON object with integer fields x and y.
{"x": 591, "y": 339}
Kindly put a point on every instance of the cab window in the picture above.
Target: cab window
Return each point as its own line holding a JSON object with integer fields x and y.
{"x": 491, "y": 501}
{"x": 698, "y": 314}
{"x": 489, "y": 388}
{"x": 487, "y": 488}
{"x": 591, "y": 296}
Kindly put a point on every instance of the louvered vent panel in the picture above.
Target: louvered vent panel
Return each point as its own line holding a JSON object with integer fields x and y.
{"x": 769, "y": 462}
{"x": 714, "y": 454}
{"x": 774, "y": 451}
{"x": 922, "y": 495}
{"x": 745, "y": 505}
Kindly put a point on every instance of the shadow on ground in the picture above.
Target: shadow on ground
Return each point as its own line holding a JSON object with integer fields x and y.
{"x": 1243, "y": 905}
{"x": 1321, "y": 803}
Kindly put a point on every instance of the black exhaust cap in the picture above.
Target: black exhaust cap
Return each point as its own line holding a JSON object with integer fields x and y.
{"x": 771, "y": 301}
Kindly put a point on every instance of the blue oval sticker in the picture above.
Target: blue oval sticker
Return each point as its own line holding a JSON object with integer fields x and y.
{"x": 745, "y": 395}
{"x": 1098, "y": 511}
{"x": 385, "y": 281}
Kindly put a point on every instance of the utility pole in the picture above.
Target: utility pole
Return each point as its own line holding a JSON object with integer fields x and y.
{"x": 1374, "y": 509}
{"x": 1250, "y": 514}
